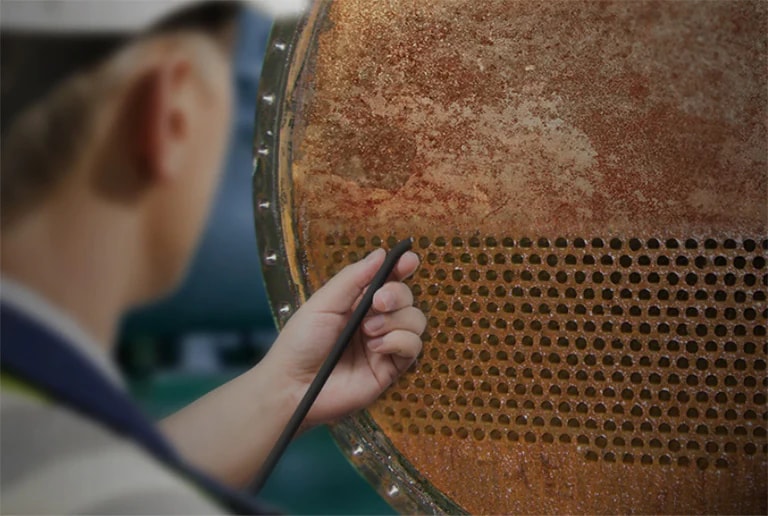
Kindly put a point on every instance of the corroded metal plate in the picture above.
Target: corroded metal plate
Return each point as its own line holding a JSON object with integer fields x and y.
{"x": 587, "y": 183}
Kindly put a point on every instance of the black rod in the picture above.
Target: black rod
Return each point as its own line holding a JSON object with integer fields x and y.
{"x": 327, "y": 368}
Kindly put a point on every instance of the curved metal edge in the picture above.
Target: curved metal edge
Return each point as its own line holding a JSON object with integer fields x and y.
{"x": 358, "y": 436}
{"x": 282, "y": 291}
{"x": 393, "y": 477}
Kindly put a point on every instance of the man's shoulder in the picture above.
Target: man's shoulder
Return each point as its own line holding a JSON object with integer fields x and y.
{"x": 56, "y": 461}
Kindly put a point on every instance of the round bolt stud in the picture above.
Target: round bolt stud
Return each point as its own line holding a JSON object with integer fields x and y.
{"x": 270, "y": 258}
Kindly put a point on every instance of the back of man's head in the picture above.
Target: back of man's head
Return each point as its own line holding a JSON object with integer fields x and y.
{"x": 56, "y": 79}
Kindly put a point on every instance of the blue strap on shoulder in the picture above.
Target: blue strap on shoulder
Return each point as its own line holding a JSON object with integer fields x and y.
{"x": 46, "y": 363}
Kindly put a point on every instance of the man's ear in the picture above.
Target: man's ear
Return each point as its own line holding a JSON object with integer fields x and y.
{"x": 164, "y": 99}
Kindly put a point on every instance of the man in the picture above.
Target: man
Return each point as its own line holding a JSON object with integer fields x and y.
{"x": 108, "y": 168}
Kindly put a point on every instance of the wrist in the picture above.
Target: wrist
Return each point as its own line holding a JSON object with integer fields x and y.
{"x": 284, "y": 392}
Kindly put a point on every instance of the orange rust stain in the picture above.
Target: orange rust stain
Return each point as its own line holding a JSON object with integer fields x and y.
{"x": 540, "y": 119}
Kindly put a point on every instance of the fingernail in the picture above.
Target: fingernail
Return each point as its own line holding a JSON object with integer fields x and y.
{"x": 375, "y": 344}
{"x": 385, "y": 300}
{"x": 374, "y": 324}
{"x": 374, "y": 255}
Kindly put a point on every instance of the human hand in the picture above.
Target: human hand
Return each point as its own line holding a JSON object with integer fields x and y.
{"x": 387, "y": 343}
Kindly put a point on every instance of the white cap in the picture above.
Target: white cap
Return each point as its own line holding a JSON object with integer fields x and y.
{"x": 111, "y": 16}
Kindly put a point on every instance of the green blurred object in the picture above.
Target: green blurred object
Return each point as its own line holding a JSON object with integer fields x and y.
{"x": 313, "y": 477}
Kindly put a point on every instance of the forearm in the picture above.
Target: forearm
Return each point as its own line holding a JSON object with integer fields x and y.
{"x": 229, "y": 432}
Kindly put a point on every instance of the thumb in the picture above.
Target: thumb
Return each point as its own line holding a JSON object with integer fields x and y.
{"x": 341, "y": 292}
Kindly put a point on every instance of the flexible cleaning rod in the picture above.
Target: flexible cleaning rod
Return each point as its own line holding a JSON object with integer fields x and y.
{"x": 333, "y": 358}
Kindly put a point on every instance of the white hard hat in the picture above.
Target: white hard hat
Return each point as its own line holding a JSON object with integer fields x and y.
{"x": 111, "y": 16}
{"x": 46, "y": 41}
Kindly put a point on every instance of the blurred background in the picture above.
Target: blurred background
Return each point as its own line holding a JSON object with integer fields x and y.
{"x": 219, "y": 323}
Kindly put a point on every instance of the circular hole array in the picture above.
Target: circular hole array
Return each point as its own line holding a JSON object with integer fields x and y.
{"x": 733, "y": 246}
{"x": 660, "y": 340}
{"x": 649, "y": 450}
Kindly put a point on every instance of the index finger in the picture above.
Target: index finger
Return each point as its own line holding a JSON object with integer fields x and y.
{"x": 406, "y": 265}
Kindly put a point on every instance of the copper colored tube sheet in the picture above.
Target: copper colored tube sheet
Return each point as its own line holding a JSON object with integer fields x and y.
{"x": 587, "y": 185}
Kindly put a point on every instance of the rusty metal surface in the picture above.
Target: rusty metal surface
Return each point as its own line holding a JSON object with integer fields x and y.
{"x": 586, "y": 376}
{"x": 587, "y": 183}
{"x": 557, "y": 118}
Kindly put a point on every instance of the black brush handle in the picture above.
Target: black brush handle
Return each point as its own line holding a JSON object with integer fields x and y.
{"x": 327, "y": 368}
